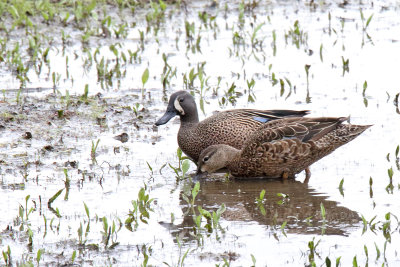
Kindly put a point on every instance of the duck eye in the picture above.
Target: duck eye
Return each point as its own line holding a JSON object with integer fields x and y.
{"x": 205, "y": 158}
{"x": 181, "y": 100}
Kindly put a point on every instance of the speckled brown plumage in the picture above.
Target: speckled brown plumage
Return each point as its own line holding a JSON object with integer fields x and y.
{"x": 283, "y": 146}
{"x": 231, "y": 127}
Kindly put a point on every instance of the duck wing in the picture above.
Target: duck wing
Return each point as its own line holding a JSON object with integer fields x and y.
{"x": 262, "y": 116}
{"x": 303, "y": 129}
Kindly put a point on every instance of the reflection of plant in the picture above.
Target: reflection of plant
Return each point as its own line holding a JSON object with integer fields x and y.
{"x": 254, "y": 40}
{"x": 323, "y": 215}
{"x": 313, "y": 251}
{"x": 67, "y": 184}
{"x": 181, "y": 258}
{"x": 341, "y": 187}
{"x": 389, "y": 188}
{"x": 93, "y": 151}
{"x": 23, "y": 214}
{"x": 250, "y": 85}
{"x": 298, "y": 36}
{"x": 307, "y": 69}
{"x": 260, "y": 202}
{"x": 194, "y": 192}
{"x": 110, "y": 232}
{"x": 365, "y": 23}
{"x": 211, "y": 225}
{"x": 23, "y": 220}
{"x": 285, "y": 198}
{"x": 387, "y": 226}
{"x": 80, "y": 229}
{"x": 141, "y": 210}
{"x": 345, "y": 65}
{"x": 212, "y": 219}
{"x": 146, "y": 251}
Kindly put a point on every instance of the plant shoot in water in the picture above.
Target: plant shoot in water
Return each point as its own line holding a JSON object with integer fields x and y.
{"x": 260, "y": 202}
{"x": 183, "y": 165}
{"x": 345, "y": 65}
{"x": 141, "y": 210}
{"x": 365, "y": 85}
{"x": 109, "y": 232}
{"x": 365, "y": 24}
{"x": 341, "y": 187}
{"x": 93, "y": 151}
{"x": 84, "y": 97}
{"x": 145, "y": 78}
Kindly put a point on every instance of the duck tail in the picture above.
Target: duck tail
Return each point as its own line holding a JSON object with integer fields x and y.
{"x": 343, "y": 134}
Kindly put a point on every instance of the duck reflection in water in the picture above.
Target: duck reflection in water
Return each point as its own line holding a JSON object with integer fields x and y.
{"x": 300, "y": 209}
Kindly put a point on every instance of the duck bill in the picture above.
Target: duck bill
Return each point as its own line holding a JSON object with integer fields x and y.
{"x": 169, "y": 114}
{"x": 200, "y": 174}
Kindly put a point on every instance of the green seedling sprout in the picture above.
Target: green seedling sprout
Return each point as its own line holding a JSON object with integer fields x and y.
{"x": 93, "y": 151}
{"x": 145, "y": 77}
{"x": 39, "y": 255}
{"x": 260, "y": 202}
{"x": 141, "y": 210}
{"x": 341, "y": 187}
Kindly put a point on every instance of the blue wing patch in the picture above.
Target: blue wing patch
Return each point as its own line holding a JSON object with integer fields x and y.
{"x": 261, "y": 119}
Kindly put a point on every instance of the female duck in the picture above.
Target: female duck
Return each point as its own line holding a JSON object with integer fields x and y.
{"x": 281, "y": 148}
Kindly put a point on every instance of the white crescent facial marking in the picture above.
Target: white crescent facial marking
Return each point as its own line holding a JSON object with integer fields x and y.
{"x": 179, "y": 107}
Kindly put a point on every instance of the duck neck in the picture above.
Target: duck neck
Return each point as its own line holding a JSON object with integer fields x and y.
{"x": 231, "y": 157}
{"x": 230, "y": 154}
{"x": 190, "y": 117}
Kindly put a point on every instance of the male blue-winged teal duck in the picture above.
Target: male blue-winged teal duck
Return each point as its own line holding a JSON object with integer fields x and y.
{"x": 281, "y": 148}
{"x": 231, "y": 127}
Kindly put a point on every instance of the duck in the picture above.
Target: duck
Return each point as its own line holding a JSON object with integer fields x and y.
{"x": 230, "y": 127}
{"x": 281, "y": 148}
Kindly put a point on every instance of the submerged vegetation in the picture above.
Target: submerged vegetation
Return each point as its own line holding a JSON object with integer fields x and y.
{"x": 87, "y": 179}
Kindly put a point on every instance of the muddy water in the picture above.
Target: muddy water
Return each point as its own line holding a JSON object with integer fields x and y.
{"x": 108, "y": 179}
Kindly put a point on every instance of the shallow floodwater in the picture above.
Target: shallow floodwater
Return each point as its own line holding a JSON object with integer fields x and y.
{"x": 322, "y": 57}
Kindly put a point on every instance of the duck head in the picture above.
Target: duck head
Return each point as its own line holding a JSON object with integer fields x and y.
{"x": 214, "y": 158}
{"x": 180, "y": 103}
